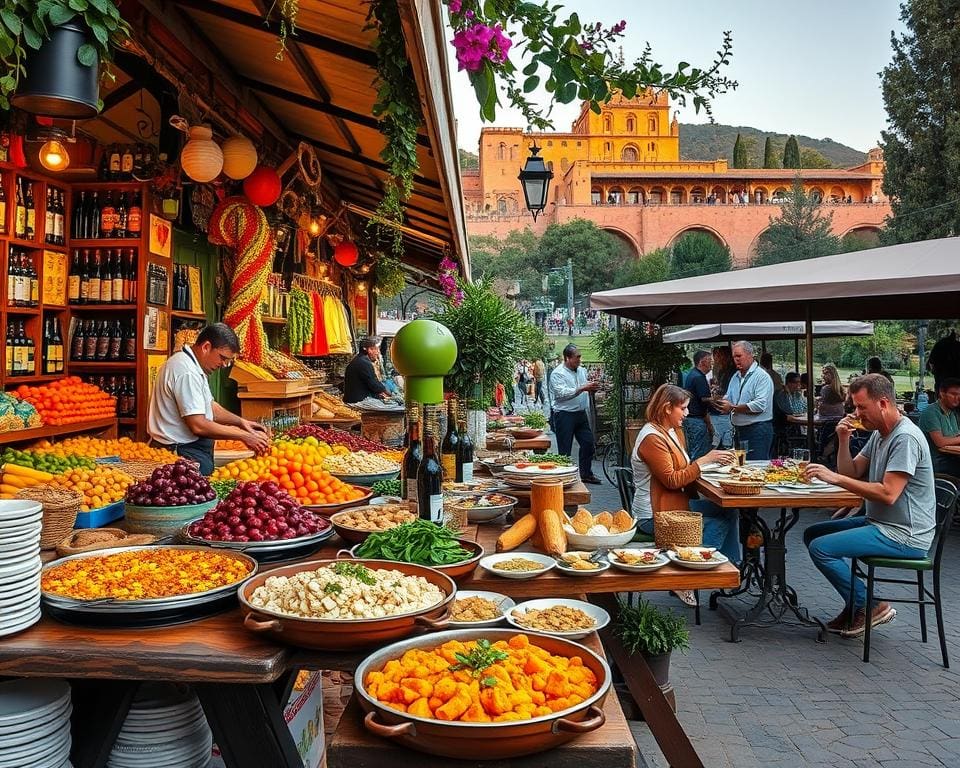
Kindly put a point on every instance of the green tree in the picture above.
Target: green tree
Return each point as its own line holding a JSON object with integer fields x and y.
{"x": 652, "y": 267}
{"x": 697, "y": 253}
{"x": 512, "y": 258}
{"x": 810, "y": 158}
{"x": 801, "y": 231}
{"x": 596, "y": 255}
{"x": 468, "y": 160}
{"x": 791, "y": 153}
{"x": 739, "y": 153}
{"x": 771, "y": 154}
{"x": 921, "y": 90}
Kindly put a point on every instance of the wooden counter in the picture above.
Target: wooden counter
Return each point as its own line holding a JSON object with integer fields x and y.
{"x": 106, "y": 428}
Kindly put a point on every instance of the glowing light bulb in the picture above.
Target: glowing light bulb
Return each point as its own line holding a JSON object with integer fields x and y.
{"x": 54, "y": 156}
{"x": 314, "y": 227}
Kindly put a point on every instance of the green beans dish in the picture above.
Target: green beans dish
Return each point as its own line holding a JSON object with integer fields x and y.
{"x": 420, "y": 542}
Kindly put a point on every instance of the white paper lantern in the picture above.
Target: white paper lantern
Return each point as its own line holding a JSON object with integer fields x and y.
{"x": 239, "y": 157}
{"x": 201, "y": 158}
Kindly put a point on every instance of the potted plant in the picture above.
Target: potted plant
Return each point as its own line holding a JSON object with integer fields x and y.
{"x": 52, "y": 51}
{"x": 654, "y": 634}
{"x": 491, "y": 337}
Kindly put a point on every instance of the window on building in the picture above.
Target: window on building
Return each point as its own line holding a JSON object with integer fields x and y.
{"x": 652, "y": 124}
{"x": 630, "y": 154}
{"x": 579, "y": 143}
{"x": 563, "y": 143}
{"x": 564, "y": 163}
{"x": 502, "y": 151}
{"x": 652, "y": 146}
{"x": 502, "y": 206}
{"x": 595, "y": 196}
{"x": 608, "y": 147}
{"x": 635, "y": 196}
{"x": 513, "y": 152}
{"x": 608, "y": 124}
{"x": 631, "y": 124}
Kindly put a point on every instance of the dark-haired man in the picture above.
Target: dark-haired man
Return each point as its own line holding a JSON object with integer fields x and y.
{"x": 570, "y": 407}
{"x": 696, "y": 424}
{"x": 183, "y": 415}
{"x": 940, "y": 422}
{"x": 894, "y": 475}
{"x": 360, "y": 379}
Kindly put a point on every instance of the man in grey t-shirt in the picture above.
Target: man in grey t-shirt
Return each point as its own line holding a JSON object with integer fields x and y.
{"x": 894, "y": 475}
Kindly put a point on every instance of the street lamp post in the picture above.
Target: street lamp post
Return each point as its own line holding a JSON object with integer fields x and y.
{"x": 535, "y": 181}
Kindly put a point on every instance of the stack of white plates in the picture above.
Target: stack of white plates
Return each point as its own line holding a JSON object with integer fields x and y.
{"x": 165, "y": 727}
{"x": 35, "y": 724}
{"x": 523, "y": 477}
{"x": 20, "y": 523}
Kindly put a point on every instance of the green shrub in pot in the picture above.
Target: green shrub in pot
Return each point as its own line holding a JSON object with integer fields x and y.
{"x": 646, "y": 630}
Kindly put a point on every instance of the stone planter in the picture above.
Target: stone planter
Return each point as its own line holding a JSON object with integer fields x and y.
{"x": 660, "y": 669}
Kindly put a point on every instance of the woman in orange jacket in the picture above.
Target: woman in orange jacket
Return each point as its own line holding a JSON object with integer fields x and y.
{"x": 664, "y": 475}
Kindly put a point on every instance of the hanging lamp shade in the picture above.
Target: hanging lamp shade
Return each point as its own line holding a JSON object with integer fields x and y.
{"x": 346, "y": 254}
{"x": 239, "y": 157}
{"x": 263, "y": 186}
{"x": 535, "y": 180}
{"x": 201, "y": 158}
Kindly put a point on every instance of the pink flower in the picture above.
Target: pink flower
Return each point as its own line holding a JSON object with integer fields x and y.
{"x": 481, "y": 42}
{"x": 454, "y": 6}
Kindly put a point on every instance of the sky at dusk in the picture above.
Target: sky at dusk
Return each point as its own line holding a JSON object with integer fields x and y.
{"x": 808, "y": 68}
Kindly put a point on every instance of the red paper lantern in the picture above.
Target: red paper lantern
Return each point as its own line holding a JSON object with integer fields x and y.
{"x": 263, "y": 186}
{"x": 345, "y": 254}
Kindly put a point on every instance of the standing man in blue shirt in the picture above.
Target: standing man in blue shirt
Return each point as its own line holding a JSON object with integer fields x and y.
{"x": 749, "y": 401}
{"x": 696, "y": 425}
{"x": 570, "y": 403}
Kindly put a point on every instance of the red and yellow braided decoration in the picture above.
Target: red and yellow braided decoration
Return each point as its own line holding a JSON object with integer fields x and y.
{"x": 238, "y": 224}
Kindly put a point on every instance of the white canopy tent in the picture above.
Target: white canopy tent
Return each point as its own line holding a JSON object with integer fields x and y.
{"x": 794, "y": 330}
{"x": 908, "y": 281}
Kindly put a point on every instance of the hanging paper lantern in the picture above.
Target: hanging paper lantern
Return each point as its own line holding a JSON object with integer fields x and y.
{"x": 262, "y": 187}
{"x": 345, "y": 254}
{"x": 201, "y": 158}
{"x": 239, "y": 157}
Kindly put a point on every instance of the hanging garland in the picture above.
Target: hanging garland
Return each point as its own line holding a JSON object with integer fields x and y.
{"x": 238, "y": 224}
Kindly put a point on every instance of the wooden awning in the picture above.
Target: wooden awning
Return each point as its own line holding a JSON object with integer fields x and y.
{"x": 322, "y": 92}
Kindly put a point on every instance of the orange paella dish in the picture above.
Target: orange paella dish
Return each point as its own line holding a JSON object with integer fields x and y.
{"x": 144, "y": 574}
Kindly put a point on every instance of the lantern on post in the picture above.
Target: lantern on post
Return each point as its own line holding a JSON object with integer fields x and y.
{"x": 535, "y": 180}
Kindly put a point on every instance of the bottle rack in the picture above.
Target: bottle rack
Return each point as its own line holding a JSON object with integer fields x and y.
{"x": 52, "y": 263}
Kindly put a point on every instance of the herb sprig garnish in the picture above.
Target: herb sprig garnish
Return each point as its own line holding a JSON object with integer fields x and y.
{"x": 352, "y": 570}
{"x": 482, "y": 656}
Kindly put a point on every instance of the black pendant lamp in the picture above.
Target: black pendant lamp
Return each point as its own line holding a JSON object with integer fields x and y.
{"x": 535, "y": 180}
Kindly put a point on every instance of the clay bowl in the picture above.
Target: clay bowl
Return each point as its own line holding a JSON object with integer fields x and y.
{"x": 494, "y": 741}
{"x": 326, "y": 510}
{"x": 344, "y": 634}
{"x": 457, "y": 571}
{"x": 351, "y": 534}
{"x": 524, "y": 433}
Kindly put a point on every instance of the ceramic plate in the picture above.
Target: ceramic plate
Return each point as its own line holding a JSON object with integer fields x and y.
{"x": 564, "y": 567}
{"x": 490, "y": 561}
{"x": 505, "y": 603}
{"x": 601, "y": 617}
{"x": 661, "y": 561}
{"x": 715, "y": 560}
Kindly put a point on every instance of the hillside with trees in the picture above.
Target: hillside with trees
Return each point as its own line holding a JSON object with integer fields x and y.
{"x": 711, "y": 142}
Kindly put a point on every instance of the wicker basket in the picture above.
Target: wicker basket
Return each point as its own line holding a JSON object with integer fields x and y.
{"x": 741, "y": 487}
{"x": 677, "y": 528}
{"x": 60, "y": 508}
{"x": 139, "y": 469}
{"x": 89, "y": 539}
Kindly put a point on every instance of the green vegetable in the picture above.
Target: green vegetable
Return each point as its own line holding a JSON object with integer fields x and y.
{"x": 223, "y": 487}
{"x": 420, "y": 542}
{"x": 482, "y": 656}
{"x": 333, "y": 588}
{"x": 299, "y": 320}
{"x": 556, "y": 458}
{"x": 45, "y": 462}
{"x": 352, "y": 570}
{"x": 386, "y": 488}
{"x": 535, "y": 420}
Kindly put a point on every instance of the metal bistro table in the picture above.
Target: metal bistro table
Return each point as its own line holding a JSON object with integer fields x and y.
{"x": 768, "y": 573}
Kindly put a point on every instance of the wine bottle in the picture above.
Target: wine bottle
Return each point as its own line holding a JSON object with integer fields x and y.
{"x": 79, "y": 341}
{"x": 13, "y": 349}
{"x": 448, "y": 448}
{"x": 93, "y": 218}
{"x": 120, "y": 230}
{"x": 60, "y": 218}
{"x": 58, "y": 346}
{"x": 430, "y": 473}
{"x": 90, "y": 341}
{"x": 130, "y": 341}
{"x": 29, "y": 352}
{"x": 47, "y": 347}
{"x": 77, "y": 223}
{"x": 126, "y": 163}
{"x": 106, "y": 279}
{"x": 34, "y": 278}
{"x": 134, "y": 216}
{"x": 107, "y": 217}
{"x": 116, "y": 341}
{"x": 9, "y": 352}
{"x": 114, "y": 170}
{"x": 464, "y": 448}
{"x": 73, "y": 279}
{"x": 20, "y": 212}
{"x": 21, "y": 282}
{"x": 132, "y": 277}
{"x": 116, "y": 265}
{"x": 3, "y": 207}
{"x": 103, "y": 341}
{"x": 49, "y": 235}
{"x": 31, "y": 230}
{"x": 412, "y": 456}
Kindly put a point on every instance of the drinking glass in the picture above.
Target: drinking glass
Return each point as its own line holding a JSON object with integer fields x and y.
{"x": 743, "y": 447}
{"x": 802, "y": 457}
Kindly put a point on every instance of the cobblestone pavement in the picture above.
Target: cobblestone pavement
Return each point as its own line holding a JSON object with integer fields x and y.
{"x": 778, "y": 698}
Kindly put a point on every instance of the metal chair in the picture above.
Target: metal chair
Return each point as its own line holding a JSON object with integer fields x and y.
{"x": 625, "y": 486}
{"x": 946, "y": 507}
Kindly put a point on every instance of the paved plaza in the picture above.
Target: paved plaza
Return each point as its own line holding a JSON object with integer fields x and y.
{"x": 779, "y": 698}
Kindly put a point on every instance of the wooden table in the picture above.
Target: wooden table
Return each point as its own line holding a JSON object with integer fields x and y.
{"x": 539, "y": 444}
{"x": 777, "y": 597}
{"x": 105, "y": 428}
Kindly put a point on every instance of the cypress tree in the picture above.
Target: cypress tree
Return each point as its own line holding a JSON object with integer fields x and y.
{"x": 770, "y": 159}
{"x": 791, "y": 153}
{"x": 922, "y": 145}
{"x": 739, "y": 153}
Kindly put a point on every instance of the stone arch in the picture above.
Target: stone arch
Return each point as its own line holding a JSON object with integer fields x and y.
{"x": 635, "y": 196}
{"x": 816, "y": 193}
{"x": 678, "y": 196}
{"x": 837, "y": 194}
{"x": 704, "y": 228}
{"x": 752, "y": 251}
{"x": 760, "y": 195}
{"x": 615, "y": 195}
{"x": 719, "y": 194}
{"x": 698, "y": 194}
{"x": 658, "y": 195}
{"x": 780, "y": 193}
{"x": 596, "y": 195}
{"x": 627, "y": 238}
{"x": 630, "y": 154}
{"x": 868, "y": 233}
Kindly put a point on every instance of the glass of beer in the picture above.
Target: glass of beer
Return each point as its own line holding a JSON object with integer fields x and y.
{"x": 802, "y": 457}
{"x": 743, "y": 446}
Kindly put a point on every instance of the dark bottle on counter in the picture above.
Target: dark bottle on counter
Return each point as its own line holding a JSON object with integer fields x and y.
{"x": 448, "y": 448}
{"x": 90, "y": 341}
{"x": 464, "y": 448}
{"x": 129, "y": 348}
{"x": 412, "y": 456}
{"x": 430, "y": 473}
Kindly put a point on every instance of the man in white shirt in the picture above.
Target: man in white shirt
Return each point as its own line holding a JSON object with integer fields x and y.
{"x": 749, "y": 401}
{"x": 183, "y": 416}
{"x": 571, "y": 404}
